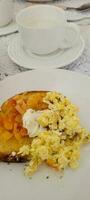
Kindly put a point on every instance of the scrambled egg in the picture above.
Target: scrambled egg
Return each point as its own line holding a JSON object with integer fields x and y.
{"x": 59, "y": 145}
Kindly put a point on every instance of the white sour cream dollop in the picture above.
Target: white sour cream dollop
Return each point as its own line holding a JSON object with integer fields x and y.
{"x": 30, "y": 122}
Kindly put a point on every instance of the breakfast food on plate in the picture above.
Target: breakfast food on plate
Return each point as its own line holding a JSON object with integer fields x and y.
{"x": 41, "y": 127}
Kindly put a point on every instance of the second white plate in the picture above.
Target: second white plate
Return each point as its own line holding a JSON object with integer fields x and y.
{"x": 57, "y": 60}
{"x": 10, "y": 28}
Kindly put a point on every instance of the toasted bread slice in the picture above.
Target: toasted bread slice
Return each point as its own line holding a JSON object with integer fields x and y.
{"x": 12, "y": 133}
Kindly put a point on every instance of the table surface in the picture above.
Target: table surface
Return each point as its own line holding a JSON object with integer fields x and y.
{"x": 7, "y": 67}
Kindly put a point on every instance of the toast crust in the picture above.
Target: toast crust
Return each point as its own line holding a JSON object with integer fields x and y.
{"x": 12, "y": 133}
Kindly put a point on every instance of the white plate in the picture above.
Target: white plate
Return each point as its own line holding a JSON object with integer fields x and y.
{"x": 56, "y": 60}
{"x": 10, "y": 28}
{"x": 75, "y": 185}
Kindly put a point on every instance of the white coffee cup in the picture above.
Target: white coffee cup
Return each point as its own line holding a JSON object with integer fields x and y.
{"x": 6, "y": 12}
{"x": 44, "y": 28}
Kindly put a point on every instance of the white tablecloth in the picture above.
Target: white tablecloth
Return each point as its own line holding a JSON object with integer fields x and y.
{"x": 7, "y": 67}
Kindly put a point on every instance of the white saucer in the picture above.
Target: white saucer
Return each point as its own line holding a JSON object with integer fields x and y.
{"x": 55, "y": 60}
{"x": 10, "y": 28}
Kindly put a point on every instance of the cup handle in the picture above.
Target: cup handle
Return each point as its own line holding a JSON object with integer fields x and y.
{"x": 71, "y": 37}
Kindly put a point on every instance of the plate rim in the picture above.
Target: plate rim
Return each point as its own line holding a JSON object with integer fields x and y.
{"x": 79, "y": 74}
{"x": 5, "y": 30}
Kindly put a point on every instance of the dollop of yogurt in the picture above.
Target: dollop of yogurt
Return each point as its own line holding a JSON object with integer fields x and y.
{"x": 30, "y": 122}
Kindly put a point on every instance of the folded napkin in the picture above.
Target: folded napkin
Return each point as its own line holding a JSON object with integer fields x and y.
{"x": 78, "y": 17}
{"x": 75, "y": 15}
